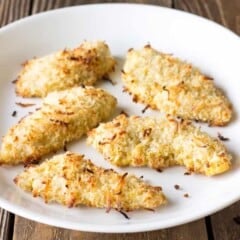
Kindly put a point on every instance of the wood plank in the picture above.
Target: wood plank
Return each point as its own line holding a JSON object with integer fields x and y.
{"x": 26, "y": 229}
{"x": 44, "y": 5}
{"x": 12, "y": 10}
{"x": 226, "y": 223}
{"x": 6, "y": 224}
{"x": 224, "y": 12}
{"x": 194, "y": 230}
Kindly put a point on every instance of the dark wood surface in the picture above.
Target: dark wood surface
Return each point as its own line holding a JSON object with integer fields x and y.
{"x": 220, "y": 226}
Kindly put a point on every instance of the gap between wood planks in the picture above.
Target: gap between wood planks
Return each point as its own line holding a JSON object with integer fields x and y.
{"x": 30, "y": 12}
{"x": 209, "y": 228}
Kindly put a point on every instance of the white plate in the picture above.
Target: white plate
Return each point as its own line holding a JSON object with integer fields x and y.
{"x": 214, "y": 49}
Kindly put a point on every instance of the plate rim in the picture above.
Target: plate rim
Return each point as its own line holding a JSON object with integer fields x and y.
{"x": 68, "y": 8}
{"x": 126, "y": 228}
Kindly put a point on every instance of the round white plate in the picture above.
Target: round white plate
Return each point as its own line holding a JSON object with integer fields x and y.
{"x": 212, "y": 48}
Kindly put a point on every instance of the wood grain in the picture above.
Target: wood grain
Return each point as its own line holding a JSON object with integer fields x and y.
{"x": 223, "y": 223}
{"x": 225, "y": 12}
{"x": 26, "y": 229}
{"x": 44, "y": 5}
{"x": 6, "y": 224}
{"x": 11, "y": 10}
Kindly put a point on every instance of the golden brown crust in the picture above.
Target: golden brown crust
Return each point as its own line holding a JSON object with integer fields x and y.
{"x": 174, "y": 87}
{"x": 65, "y": 69}
{"x": 64, "y": 116}
{"x": 71, "y": 180}
{"x": 159, "y": 143}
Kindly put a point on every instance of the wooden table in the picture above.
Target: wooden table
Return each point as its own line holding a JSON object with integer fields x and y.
{"x": 220, "y": 226}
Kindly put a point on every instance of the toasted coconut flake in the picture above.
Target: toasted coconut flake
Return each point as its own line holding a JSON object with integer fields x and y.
{"x": 222, "y": 138}
{"x": 25, "y": 104}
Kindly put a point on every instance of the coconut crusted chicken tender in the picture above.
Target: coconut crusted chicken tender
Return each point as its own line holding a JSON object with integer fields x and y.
{"x": 159, "y": 143}
{"x": 174, "y": 87}
{"x": 84, "y": 65}
{"x": 64, "y": 116}
{"x": 71, "y": 180}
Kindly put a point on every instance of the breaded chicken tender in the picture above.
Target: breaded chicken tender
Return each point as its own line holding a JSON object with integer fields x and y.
{"x": 159, "y": 143}
{"x": 71, "y": 180}
{"x": 64, "y": 116}
{"x": 174, "y": 87}
{"x": 84, "y": 65}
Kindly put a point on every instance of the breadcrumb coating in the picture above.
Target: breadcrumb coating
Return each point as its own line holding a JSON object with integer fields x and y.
{"x": 174, "y": 87}
{"x": 159, "y": 143}
{"x": 84, "y": 65}
{"x": 64, "y": 116}
{"x": 71, "y": 180}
